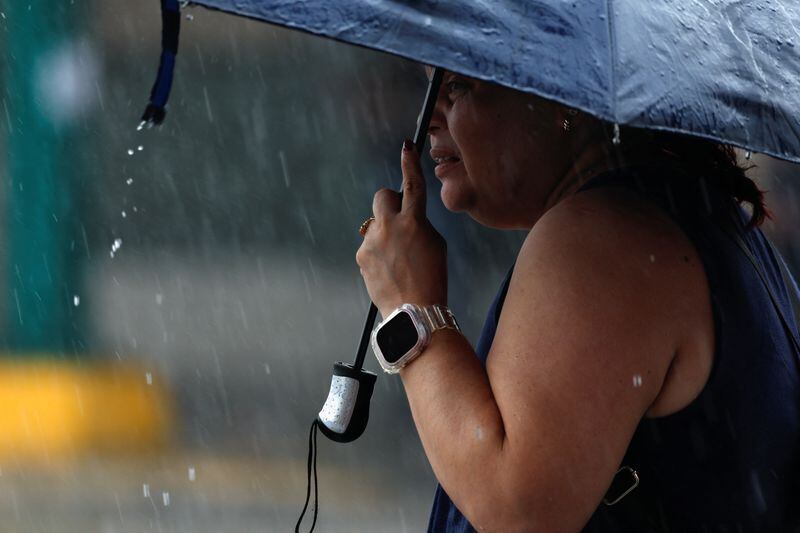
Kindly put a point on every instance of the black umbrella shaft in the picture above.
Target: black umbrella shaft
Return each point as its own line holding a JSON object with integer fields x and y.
{"x": 419, "y": 142}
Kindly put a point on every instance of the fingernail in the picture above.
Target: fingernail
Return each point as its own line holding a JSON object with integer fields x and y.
{"x": 408, "y": 146}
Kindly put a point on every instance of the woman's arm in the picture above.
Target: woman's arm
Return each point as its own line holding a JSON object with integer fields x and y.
{"x": 600, "y": 299}
{"x": 605, "y": 291}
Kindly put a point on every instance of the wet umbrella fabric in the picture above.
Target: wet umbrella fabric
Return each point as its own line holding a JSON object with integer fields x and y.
{"x": 728, "y": 71}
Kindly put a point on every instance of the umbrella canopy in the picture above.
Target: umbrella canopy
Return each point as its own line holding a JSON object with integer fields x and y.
{"x": 719, "y": 69}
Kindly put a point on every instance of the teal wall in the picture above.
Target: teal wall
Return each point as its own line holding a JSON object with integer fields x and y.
{"x": 42, "y": 167}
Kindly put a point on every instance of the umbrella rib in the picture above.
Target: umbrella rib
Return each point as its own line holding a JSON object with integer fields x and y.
{"x": 612, "y": 52}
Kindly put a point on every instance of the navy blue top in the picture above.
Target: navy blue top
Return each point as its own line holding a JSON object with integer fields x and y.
{"x": 729, "y": 461}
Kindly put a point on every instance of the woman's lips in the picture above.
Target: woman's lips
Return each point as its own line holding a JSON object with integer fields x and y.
{"x": 445, "y": 167}
{"x": 446, "y": 160}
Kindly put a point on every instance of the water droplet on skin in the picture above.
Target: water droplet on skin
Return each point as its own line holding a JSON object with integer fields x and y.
{"x": 146, "y": 490}
{"x": 148, "y": 377}
{"x": 637, "y": 380}
{"x": 130, "y": 151}
{"x": 76, "y": 300}
{"x": 192, "y": 474}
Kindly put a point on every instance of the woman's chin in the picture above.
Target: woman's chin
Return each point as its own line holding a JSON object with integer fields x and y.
{"x": 453, "y": 198}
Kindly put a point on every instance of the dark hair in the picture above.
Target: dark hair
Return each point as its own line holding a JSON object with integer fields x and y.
{"x": 716, "y": 162}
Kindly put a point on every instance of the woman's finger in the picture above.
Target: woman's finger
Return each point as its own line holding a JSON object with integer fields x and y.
{"x": 386, "y": 203}
{"x": 413, "y": 180}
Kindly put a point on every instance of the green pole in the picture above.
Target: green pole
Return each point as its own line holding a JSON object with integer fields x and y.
{"x": 42, "y": 296}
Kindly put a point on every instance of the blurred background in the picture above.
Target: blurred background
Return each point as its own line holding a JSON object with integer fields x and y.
{"x": 174, "y": 299}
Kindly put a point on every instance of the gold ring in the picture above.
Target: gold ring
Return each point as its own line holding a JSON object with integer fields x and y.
{"x": 365, "y": 226}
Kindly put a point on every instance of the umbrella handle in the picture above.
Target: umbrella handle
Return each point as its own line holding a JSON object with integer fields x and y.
{"x": 423, "y": 122}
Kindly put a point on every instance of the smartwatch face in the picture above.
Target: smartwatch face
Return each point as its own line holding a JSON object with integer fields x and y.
{"x": 397, "y": 336}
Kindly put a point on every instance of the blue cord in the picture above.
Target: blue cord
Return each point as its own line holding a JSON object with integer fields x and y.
{"x": 170, "y": 29}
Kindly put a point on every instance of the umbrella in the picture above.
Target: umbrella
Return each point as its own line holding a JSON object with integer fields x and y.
{"x": 722, "y": 70}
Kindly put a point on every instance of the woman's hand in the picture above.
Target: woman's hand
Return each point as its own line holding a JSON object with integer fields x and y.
{"x": 403, "y": 259}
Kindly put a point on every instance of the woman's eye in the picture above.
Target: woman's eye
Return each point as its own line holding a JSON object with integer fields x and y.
{"x": 455, "y": 88}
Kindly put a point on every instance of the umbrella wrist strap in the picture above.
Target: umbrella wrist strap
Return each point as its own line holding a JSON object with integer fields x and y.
{"x": 312, "y": 467}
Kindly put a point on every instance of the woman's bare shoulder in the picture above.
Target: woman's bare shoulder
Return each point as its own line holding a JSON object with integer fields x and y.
{"x": 660, "y": 261}
{"x": 594, "y": 318}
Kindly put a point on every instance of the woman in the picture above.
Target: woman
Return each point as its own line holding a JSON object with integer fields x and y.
{"x": 633, "y": 332}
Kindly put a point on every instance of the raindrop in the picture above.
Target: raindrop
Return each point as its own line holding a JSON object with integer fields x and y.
{"x": 76, "y": 300}
{"x": 140, "y": 147}
{"x": 129, "y": 181}
{"x": 148, "y": 377}
{"x": 165, "y": 497}
{"x": 146, "y": 490}
{"x": 615, "y": 140}
{"x": 637, "y": 380}
{"x": 135, "y": 209}
{"x": 159, "y": 298}
{"x": 189, "y": 17}
{"x": 192, "y": 474}
{"x": 747, "y": 155}
{"x": 652, "y": 258}
{"x": 115, "y": 246}
{"x": 124, "y": 214}
{"x": 130, "y": 151}
{"x": 285, "y": 168}
{"x": 267, "y": 369}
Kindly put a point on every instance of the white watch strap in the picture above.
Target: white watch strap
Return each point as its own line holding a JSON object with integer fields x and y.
{"x": 439, "y": 317}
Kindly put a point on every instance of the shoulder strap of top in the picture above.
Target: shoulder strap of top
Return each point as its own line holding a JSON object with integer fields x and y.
{"x": 791, "y": 285}
{"x": 735, "y": 234}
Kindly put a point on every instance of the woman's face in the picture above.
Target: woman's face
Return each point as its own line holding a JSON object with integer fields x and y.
{"x": 497, "y": 151}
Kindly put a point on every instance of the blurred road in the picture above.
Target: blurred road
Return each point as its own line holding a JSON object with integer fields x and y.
{"x": 204, "y": 493}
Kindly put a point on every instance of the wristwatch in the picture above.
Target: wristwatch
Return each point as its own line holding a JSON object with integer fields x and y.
{"x": 407, "y": 331}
